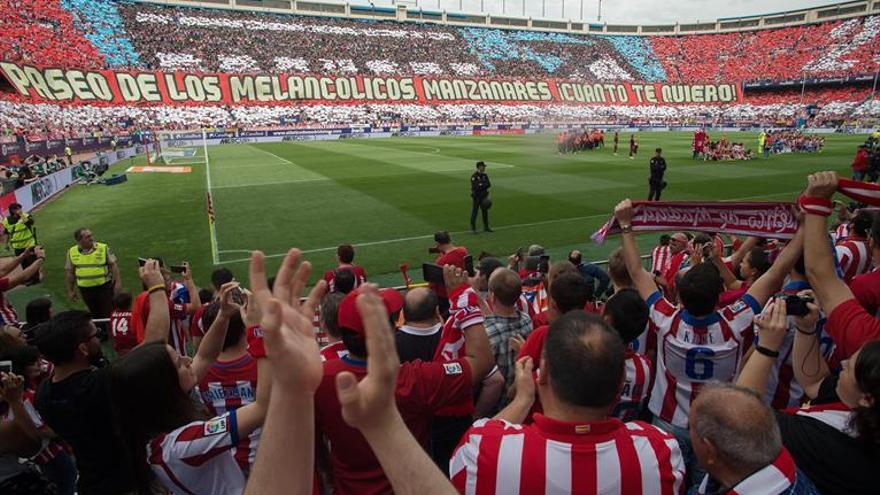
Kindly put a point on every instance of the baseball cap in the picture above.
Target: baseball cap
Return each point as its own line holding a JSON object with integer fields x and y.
{"x": 349, "y": 317}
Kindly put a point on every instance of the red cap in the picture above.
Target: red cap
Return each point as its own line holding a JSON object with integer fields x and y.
{"x": 349, "y": 317}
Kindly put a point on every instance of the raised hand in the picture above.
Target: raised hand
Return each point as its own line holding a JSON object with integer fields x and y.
{"x": 822, "y": 185}
{"x": 772, "y": 324}
{"x": 624, "y": 212}
{"x": 454, "y": 276}
{"x": 286, "y": 322}
{"x": 11, "y": 387}
{"x": 807, "y": 323}
{"x": 227, "y": 306}
{"x": 369, "y": 404}
{"x": 150, "y": 274}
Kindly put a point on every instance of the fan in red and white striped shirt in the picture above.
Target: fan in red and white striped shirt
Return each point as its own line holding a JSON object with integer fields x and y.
{"x": 590, "y": 454}
{"x": 661, "y": 256}
{"x": 736, "y": 437}
{"x": 231, "y": 382}
{"x": 854, "y": 253}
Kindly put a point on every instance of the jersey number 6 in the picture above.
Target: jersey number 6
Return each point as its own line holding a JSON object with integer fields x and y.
{"x": 699, "y": 365}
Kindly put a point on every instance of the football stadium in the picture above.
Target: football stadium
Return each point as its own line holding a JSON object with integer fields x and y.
{"x": 551, "y": 248}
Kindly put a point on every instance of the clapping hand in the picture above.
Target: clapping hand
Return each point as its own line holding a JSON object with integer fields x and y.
{"x": 287, "y": 323}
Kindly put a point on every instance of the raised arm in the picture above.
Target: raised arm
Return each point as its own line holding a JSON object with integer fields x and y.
{"x": 478, "y": 353}
{"x": 518, "y": 408}
{"x": 296, "y": 361}
{"x": 212, "y": 343}
{"x": 156, "y": 329}
{"x": 830, "y": 290}
{"x": 771, "y": 281}
{"x": 642, "y": 280}
{"x": 772, "y": 326}
{"x": 114, "y": 271}
{"x": 23, "y": 276}
{"x": 194, "y": 301}
{"x": 369, "y": 406}
{"x": 808, "y": 364}
{"x": 12, "y": 264}
{"x": 738, "y": 255}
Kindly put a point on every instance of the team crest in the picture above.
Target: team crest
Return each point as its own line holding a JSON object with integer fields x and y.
{"x": 217, "y": 426}
{"x": 453, "y": 368}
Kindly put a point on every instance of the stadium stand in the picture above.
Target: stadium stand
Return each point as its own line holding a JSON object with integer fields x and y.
{"x": 128, "y": 35}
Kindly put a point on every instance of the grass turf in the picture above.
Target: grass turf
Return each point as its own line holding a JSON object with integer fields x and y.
{"x": 387, "y": 197}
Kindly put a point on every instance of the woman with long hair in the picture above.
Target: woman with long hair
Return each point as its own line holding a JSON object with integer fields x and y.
{"x": 170, "y": 440}
{"x": 836, "y": 439}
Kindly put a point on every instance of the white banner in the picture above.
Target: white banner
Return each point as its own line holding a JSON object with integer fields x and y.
{"x": 39, "y": 191}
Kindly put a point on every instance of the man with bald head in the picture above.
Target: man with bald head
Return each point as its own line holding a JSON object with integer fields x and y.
{"x": 506, "y": 320}
{"x": 737, "y": 441}
{"x": 573, "y": 447}
{"x": 421, "y": 331}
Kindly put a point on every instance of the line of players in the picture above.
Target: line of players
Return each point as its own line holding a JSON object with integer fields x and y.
{"x": 581, "y": 139}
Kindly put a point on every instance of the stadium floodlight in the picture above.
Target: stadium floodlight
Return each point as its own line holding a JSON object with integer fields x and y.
{"x": 182, "y": 147}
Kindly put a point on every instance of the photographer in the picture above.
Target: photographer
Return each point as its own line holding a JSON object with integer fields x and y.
{"x": 480, "y": 196}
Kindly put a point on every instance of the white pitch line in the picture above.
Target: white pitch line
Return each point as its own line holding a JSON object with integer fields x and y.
{"x": 285, "y": 160}
{"x": 503, "y": 227}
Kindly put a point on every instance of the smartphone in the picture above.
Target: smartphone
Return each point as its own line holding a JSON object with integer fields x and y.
{"x": 142, "y": 261}
{"x": 469, "y": 265}
{"x": 177, "y": 268}
{"x": 432, "y": 273}
{"x": 237, "y": 296}
{"x": 6, "y": 366}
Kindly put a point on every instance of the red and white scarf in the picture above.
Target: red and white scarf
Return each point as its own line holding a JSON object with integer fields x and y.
{"x": 768, "y": 220}
{"x": 773, "y": 479}
{"x": 771, "y": 220}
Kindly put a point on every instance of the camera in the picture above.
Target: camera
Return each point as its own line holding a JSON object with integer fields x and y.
{"x": 796, "y": 305}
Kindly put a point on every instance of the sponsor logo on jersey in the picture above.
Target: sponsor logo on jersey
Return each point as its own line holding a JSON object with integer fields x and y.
{"x": 217, "y": 426}
{"x": 453, "y": 368}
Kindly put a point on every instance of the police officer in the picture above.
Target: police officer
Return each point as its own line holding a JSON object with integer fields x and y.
{"x": 19, "y": 232}
{"x": 92, "y": 267}
{"x": 658, "y": 169}
{"x": 480, "y": 195}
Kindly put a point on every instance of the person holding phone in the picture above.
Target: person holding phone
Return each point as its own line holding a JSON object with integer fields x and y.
{"x": 91, "y": 267}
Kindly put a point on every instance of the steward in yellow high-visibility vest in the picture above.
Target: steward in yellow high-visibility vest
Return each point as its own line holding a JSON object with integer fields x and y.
{"x": 18, "y": 228}
{"x": 92, "y": 268}
{"x": 20, "y": 234}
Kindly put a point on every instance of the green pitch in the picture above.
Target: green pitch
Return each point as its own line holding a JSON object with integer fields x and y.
{"x": 388, "y": 196}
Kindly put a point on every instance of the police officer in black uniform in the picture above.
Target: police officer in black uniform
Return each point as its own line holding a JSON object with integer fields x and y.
{"x": 480, "y": 195}
{"x": 658, "y": 168}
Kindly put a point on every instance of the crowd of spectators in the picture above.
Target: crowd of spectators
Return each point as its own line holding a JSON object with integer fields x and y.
{"x": 717, "y": 371}
{"x": 105, "y": 33}
{"x": 94, "y": 33}
{"x": 42, "y": 121}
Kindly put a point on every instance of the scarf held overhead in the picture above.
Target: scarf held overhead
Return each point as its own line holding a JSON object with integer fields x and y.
{"x": 770, "y": 220}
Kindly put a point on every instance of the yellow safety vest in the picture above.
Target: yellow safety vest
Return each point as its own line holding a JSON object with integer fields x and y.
{"x": 20, "y": 235}
{"x": 91, "y": 269}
